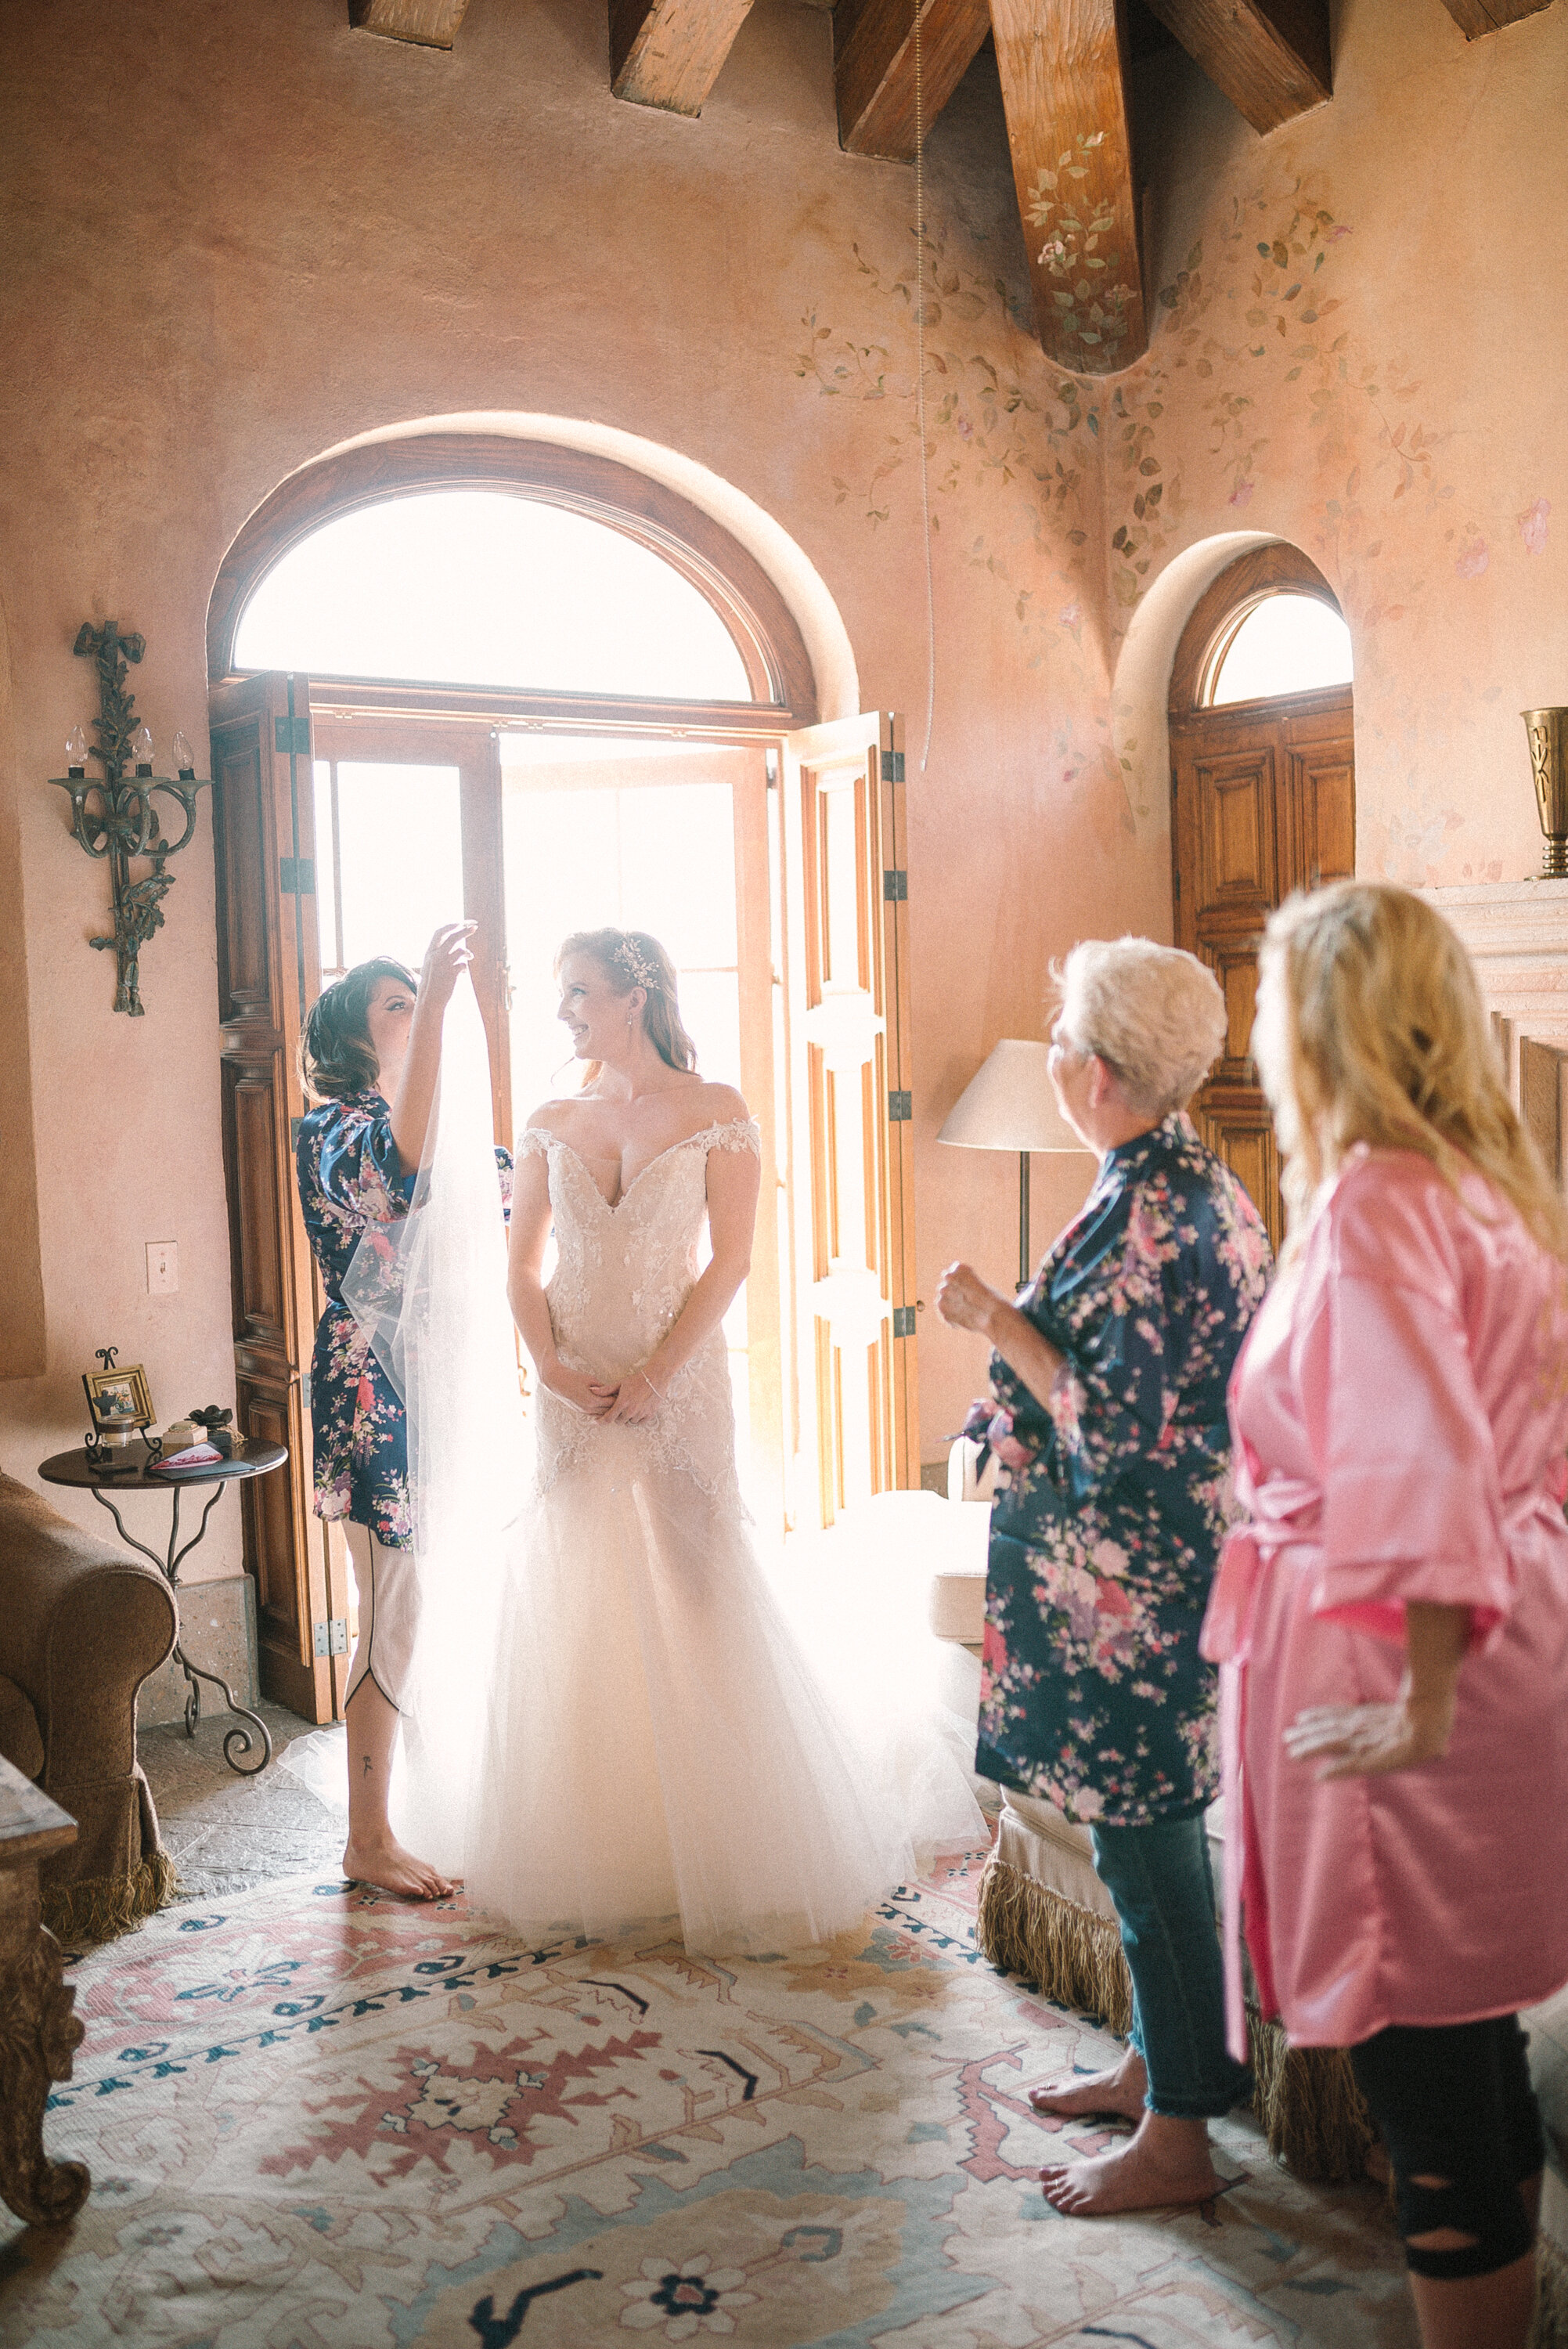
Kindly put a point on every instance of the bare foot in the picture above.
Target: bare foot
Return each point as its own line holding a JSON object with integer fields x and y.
{"x": 1075, "y": 2094}
{"x": 1164, "y": 2163}
{"x": 383, "y": 1862}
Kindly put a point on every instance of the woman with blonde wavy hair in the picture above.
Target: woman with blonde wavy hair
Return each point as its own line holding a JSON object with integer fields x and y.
{"x": 1393, "y": 1614}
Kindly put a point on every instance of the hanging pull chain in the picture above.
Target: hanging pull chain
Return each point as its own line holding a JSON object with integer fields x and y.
{"x": 920, "y": 8}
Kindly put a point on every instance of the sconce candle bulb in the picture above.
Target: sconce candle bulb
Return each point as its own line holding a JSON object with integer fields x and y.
{"x": 122, "y": 825}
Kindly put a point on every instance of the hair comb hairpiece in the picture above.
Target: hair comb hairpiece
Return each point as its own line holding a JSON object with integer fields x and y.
{"x": 632, "y": 958}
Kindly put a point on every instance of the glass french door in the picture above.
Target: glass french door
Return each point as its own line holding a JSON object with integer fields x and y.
{"x": 776, "y": 875}
{"x": 845, "y": 887}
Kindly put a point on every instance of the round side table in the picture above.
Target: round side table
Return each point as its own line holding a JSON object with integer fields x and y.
{"x": 129, "y": 1469}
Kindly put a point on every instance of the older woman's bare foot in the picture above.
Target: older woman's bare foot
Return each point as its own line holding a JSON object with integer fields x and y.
{"x": 1075, "y": 2094}
{"x": 1164, "y": 2163}
{"x": 382, "y": 1861}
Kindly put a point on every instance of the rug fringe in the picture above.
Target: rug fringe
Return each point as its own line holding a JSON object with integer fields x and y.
{"x": 97, "y": 1908}
{"x": 1305, "y": 2098}
{"x": 1548, "y": 2329}
{"x": 1311, "y": 2112}
{"x": 1076, "y": 1956}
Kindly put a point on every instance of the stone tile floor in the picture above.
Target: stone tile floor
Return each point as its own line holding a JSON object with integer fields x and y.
{"x": 225, "y": 1833}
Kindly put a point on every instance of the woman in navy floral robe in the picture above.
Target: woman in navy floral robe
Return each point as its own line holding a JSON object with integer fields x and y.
{"x": 372, "y": 1052}
{"x": 1108, "y": 1414}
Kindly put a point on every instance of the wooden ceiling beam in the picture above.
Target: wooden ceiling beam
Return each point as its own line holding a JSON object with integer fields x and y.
{"x": 1475, "y": 18}
{"x": 433, "y": 23}
{"x": 1270, "y": 58}
{"x": 873, "y": 68}
{"x": 668, "y": 53}
{"x": 1064, "y": 87}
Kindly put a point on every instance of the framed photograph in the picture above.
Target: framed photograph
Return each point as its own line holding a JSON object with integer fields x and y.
{"x": 118, "y": 1399}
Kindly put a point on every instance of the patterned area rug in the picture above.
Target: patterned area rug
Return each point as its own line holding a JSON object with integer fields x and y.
{"x": 317, "y": 2119}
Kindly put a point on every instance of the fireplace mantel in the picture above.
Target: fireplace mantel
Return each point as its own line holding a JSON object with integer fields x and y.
{"x": 1517, "y": 933}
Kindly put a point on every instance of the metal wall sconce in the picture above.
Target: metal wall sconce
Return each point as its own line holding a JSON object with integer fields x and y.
{"x": 124, "y": 825}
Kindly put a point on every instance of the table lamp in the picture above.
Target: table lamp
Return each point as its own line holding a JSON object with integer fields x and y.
{"x": 1009, "y": 1104}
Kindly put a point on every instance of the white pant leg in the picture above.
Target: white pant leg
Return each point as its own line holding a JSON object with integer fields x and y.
{"x": 388, "y": 1585}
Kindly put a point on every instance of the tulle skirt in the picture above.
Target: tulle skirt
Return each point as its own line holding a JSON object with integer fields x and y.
{"x": 655, "y": 1744}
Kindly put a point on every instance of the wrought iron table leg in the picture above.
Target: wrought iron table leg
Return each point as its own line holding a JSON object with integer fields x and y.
{"x": 233, "y": 1738}
{"x": 237, "y": 1742}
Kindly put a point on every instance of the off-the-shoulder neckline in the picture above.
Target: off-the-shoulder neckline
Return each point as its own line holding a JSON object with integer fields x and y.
{"x": 719, "y": 1125}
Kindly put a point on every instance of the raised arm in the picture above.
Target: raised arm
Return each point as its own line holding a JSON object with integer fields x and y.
{"x": 446, "y": 957}
{"x": 733, "y": 1180}
{"x": 530, "y": 1220}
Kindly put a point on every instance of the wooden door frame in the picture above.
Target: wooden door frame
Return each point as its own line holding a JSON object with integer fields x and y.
{"x": 1276, "y": 569}
{"x": 1201, "y": 731}
{"x": 264, "y": 842}
{"x": 708, "y": 556}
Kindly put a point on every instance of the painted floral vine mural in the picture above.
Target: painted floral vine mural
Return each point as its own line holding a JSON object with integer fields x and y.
{"x": 1069, "y": 492}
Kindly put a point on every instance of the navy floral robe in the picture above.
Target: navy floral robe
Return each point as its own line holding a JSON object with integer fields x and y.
{"x": 350, "y": 1180}
{"x": 1104, "y": 1542}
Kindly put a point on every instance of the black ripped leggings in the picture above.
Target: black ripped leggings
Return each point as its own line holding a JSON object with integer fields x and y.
{"x": 1455, "y": 2102}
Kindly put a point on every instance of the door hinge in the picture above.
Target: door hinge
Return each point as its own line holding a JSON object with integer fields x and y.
{"x": 892, "y": 766}
{"x": 291, "y": 734}
{"x": 895, "y": 886}
{"x": 296, "y": 876}
{"x": 903, "y": 1320}
{"x": 332, "y": 1638}
{"x": 304, "y": 1389}
{"x": 1176, "y": 885}
{"x": 900, "y": 1108}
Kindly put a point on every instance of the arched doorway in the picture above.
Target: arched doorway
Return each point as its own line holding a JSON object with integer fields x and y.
{"x": 480, "y": 754}
{"x": 1262, "y": 782}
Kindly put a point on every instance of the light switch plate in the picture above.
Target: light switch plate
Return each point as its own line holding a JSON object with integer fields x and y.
{"x": 162, "y": 1267}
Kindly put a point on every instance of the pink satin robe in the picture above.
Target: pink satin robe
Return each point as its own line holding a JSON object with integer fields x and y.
{"x": 1400, "y": 1415}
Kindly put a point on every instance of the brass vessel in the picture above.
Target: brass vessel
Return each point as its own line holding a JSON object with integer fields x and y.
{"x": 1547, "y": 732}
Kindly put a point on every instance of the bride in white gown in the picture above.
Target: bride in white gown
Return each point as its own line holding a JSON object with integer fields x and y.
{"x": 652, "y": 1742}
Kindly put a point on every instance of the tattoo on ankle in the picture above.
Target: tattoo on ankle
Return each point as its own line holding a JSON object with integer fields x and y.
{"x": 367, "y": 1765}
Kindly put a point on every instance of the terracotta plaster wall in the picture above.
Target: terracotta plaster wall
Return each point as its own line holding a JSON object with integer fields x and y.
{"x": 1361, "y": 347}
{"x": 236, "y": 238}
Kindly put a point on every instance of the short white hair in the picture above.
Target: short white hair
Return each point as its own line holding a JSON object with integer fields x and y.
{"x": 1155, "y": 1015}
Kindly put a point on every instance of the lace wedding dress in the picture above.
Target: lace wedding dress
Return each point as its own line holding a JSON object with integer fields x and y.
{"x": 657, "y": 1743}
{"x": 611, "y": 1721}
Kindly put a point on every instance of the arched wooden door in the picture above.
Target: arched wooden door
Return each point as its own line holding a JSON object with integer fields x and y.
{"x": 1262, "y": 802}
{"x": 824, "y": 993}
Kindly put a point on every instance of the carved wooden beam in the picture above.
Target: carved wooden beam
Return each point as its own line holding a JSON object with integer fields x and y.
{"x": 1064, "y": 90}
{"x": 1475, "y": 18}
{"x": 873, "y": 67}
{"x": 668, "y": 53}
{"x": 1270, "y": 58}
{"x": 432, "y": 23}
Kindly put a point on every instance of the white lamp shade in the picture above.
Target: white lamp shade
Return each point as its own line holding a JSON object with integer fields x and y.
{"x": 1010, "y": 1104}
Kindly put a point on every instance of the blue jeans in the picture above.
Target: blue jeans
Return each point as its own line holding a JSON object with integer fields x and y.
{"x": 1158, "y": 1878}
